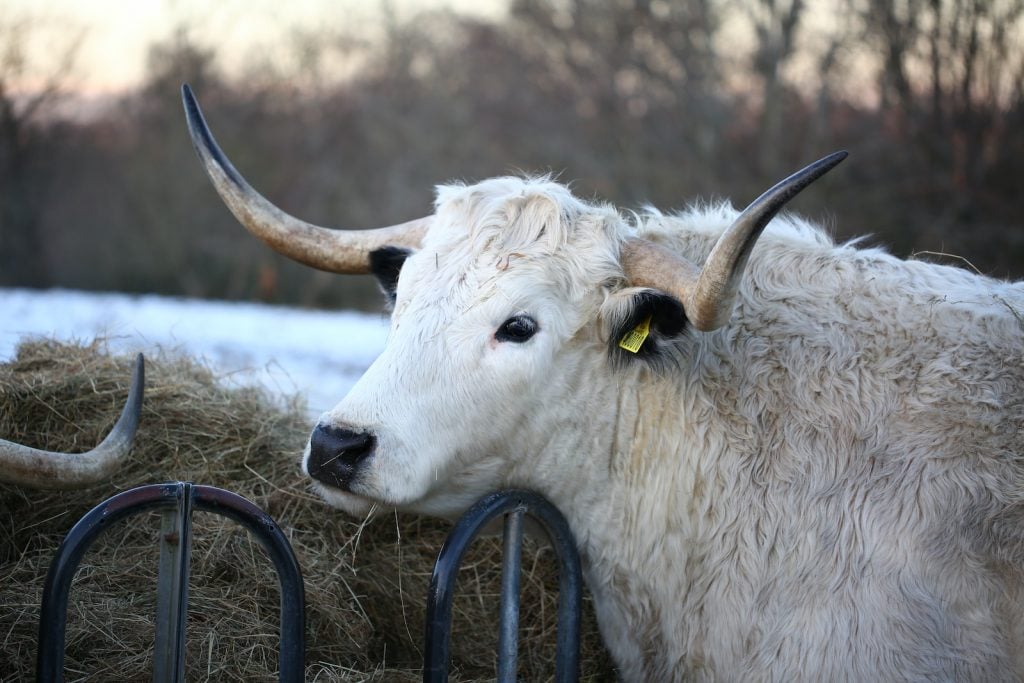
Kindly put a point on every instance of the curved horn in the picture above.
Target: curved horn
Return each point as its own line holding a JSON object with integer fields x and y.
{"x": 336, "y": 251}
{"x": 708, "y": 293}
{"x": 53, "y": 470}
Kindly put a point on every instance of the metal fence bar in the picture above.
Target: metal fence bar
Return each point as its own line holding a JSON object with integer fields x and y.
{"x": 53, "y": 612}
{"x": 511, "y": 570}
{"x": 442, "y": 583}
{"x": 172, "y": 589}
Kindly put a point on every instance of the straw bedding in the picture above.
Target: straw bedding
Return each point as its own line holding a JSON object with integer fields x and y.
{"x": 365, "y": 583}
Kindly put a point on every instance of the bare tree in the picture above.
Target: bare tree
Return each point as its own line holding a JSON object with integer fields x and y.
{"x": 775, "y": 24}
{"x": 29, "y": 95}
{"x": 644, "y": 78}
{"x": 631, "y": 100}
{"x": 951, "y": 68}
{"x": 949, "y": 81}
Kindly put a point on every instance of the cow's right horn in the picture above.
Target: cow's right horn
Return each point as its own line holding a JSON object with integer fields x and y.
{"x": 52, "y": 470}
{"x": 709, "y": 292}
{"x": 336, "y": 251}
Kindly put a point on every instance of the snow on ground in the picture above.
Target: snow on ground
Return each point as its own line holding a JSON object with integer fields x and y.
{"x": 317, "y": 354}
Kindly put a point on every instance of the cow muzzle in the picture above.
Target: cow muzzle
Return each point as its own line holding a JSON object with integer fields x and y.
{"x": 335, "y": 454}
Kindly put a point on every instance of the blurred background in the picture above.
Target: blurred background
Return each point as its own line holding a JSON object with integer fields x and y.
{"x": 348, "y": 113}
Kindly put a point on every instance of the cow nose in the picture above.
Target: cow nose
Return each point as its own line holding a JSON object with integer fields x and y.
{"x": 335, "y": 453}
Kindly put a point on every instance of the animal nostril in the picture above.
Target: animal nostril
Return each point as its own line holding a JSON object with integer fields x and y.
{"x": 335, "y": 452}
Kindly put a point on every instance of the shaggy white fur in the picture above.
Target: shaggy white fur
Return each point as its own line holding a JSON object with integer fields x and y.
{"x": 829, "y": 487}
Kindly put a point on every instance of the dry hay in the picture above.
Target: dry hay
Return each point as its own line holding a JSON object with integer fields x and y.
{"x": 365, "y": 584}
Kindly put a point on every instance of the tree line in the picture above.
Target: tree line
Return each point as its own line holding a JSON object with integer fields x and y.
{"x": 633, "y": 101}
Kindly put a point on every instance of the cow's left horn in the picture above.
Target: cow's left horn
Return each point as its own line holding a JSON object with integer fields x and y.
{"x": 52, "y": 470}
{"x": 336, "y": 251}
{"x": 708, "y": 293}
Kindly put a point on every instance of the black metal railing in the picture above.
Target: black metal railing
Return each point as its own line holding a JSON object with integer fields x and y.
{"x": 514, "y": 505}
{"x": 178, "y": 501}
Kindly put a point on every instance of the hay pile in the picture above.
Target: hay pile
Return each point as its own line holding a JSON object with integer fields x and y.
{"x": 365, "y": 584}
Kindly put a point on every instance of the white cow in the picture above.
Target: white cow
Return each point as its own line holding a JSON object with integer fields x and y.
{"x": 808, "y": 472}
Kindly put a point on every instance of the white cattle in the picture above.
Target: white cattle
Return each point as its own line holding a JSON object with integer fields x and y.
{"x": 810, "y": 472}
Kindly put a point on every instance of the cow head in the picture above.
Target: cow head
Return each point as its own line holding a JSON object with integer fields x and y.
{"x": 507, "y": 302}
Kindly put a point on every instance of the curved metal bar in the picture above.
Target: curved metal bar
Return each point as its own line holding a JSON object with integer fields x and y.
{"x": 53, "y": 612}
{"x": 292, "y": 659}
{"x": 442, "y": 583}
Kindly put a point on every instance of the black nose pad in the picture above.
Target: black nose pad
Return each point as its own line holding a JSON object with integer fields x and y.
{"x": 335, "y": 453}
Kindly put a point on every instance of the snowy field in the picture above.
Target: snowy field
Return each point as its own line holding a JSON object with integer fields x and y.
{"x": 316, "y": 354}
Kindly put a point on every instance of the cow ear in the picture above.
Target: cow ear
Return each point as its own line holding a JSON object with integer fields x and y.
{"x": 644, "y": 324}
{"x": 386, "y": 265}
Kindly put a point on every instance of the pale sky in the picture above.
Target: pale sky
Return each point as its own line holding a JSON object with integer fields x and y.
{"x": 251, "y": 34}
{"x": 116, "y": 33}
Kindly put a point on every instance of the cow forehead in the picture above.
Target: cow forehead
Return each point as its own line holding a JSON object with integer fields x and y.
{"x": 512, "y": 233}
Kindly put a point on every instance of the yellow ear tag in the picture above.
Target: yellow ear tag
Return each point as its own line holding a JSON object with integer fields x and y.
{"x": 634, "y": 339}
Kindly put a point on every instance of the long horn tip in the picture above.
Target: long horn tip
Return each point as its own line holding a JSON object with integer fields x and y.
{"x": 138, "y": 379}
{"x": 807, "y": 175}
{"x": 129, "y": 420}
{"x": 197, "y": 127}
{"x": 769, "y": 203}
{"x": 192, "y": 111}
{"x": 210, "y": 153}
{"x": 832, "y": 160}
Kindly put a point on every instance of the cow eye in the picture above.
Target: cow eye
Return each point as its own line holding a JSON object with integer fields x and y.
{"x": 517, "y": 329}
